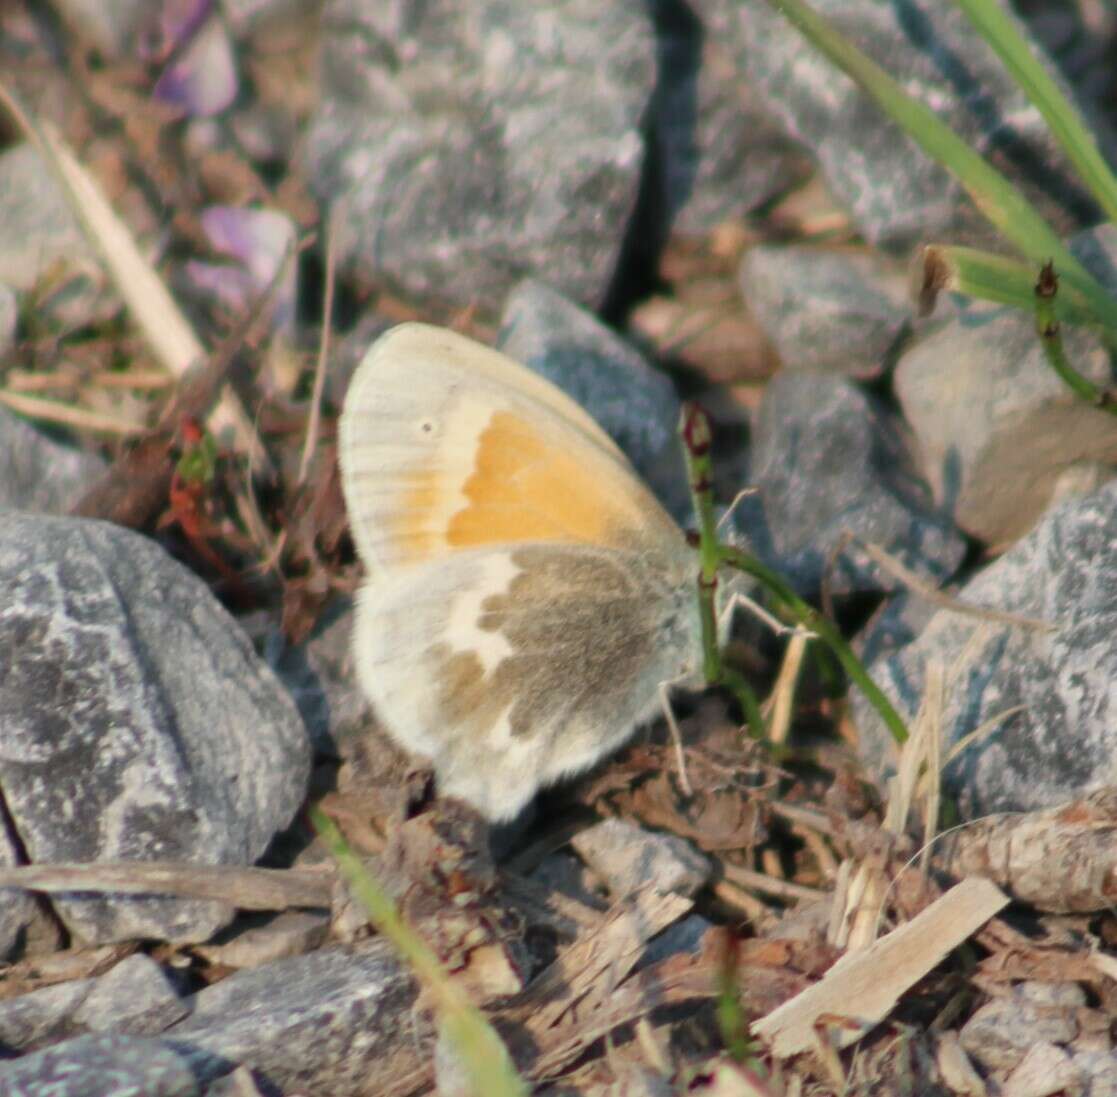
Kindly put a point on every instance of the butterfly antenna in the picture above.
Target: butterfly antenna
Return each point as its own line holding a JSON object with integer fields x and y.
{"x": 733, "y": 506}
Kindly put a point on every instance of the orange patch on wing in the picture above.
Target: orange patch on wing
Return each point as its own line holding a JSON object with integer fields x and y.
{"x": 522, "y": 489}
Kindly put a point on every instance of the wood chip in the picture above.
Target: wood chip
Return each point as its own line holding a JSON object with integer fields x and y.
{"x": 864, "y": 986}
{"x": 589, "y": 970}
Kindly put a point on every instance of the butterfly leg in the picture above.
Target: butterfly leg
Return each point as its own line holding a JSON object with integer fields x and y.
{"x": 676, "y": 735}
{"x": 742, "y": 494}
{"x": 737, "y": 599}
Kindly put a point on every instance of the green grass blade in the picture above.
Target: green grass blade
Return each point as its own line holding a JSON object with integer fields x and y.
{"x": 1002, "y": 204}
{"x": 1061, "y": 116}
{"x": 825, "y": 630}
{"x": 482, "y": 1052}
{"x": 999, "y": 278}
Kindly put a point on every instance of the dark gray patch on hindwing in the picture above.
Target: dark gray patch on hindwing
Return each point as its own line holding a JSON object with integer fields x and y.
{"x": 587, "y": 629}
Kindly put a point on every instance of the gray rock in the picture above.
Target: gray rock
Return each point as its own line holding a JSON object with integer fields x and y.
{"x": 472, "y": 144}
{"x": 1078, "y": 40}
{"x": 895, "y": 625}
{"x": 683, "y": 938}
{"x": 897, "y": 196}
{"x": 1002, "y": 436}
{"x": 321, "y": 678}
{"x": 39, "y": 474}
{"x": 627, "y": 858}
{"x": 827, "y": 461}
{"x": 37, "y": 226}
{"x": 17, "y": 908}
{"x": 825, "y": 309}
{"x": 323, "y": 1023}
{"x": 636, "y": 405}
{"x": 721, "y": 151}
{"x": 262, "y": 939}
{"x": 1061, "y": 743}
{"x": 1000, "y": 1033}
{"x": 113, "y": 1066}
{"x": 134, "y": 997}
{"x": 41, "y": 1016}
{"x": 137, "y": 722}
{"x": 561, "y": 873}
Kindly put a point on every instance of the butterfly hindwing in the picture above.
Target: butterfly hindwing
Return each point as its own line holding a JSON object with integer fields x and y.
{"x": 512, "y": 667}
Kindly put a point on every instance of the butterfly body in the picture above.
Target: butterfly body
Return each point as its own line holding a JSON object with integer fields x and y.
{"x": 526, "y": 594}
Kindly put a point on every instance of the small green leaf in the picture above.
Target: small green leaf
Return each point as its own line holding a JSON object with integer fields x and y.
{"x": 198, "y": 462}
{"x": 991, "y": 277}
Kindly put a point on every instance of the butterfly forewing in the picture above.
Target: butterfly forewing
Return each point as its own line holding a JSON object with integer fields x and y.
{"x": 447, "y": 445}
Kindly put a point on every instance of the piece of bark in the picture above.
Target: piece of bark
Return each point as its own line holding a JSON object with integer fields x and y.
{"x": 243, "y": 887}
{"x": 589, "y": 970}
{"x": 1062, "y": 860}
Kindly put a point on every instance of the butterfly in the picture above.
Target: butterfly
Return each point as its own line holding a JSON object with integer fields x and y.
{"x": 527, "y": 598}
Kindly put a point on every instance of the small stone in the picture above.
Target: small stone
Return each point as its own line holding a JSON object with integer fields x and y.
{"x": 1046, "y": 696}
{"x": 627, "y": 858}
{"x": 327, "y": 1022}
{"x": 682, "y": 938}
{"x": 1003, "y": 438}
{"x": 1002, "y": 1031}
{"x": 113, "y": 1066}
{"x": 1070, "y": 995}
{"x": 136, "y": 721}
{"x": 636, "y": 405}
{"x": 39, "y": 474}
{"x": 200, "y": 80}
{"x": 291, "y": 933}
{"x": 1097, "y": 1072}
{"x": 134, "y": 997}
{"x": 41, "y": 1016}
{"x": 827, "y": 462}
{"x": 564, "y": 874}
{"x": 827, "y": 310}
{"x": 321, "y": 677}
